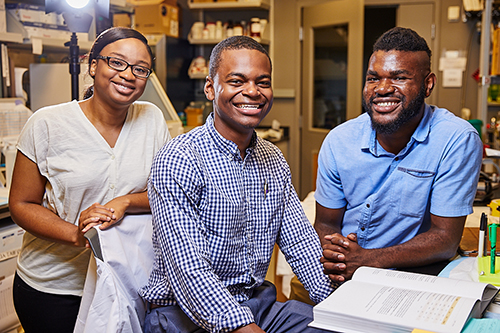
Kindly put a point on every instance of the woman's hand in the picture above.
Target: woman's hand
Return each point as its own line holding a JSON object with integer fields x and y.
{"x": 95, "y": 215}
{"x": 112, "y": 212}
{"x": 119, "y": 206}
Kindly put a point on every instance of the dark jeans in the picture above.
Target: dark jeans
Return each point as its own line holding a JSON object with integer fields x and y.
{"x": 271, "y": 316}
{"x": 43, "y": 312}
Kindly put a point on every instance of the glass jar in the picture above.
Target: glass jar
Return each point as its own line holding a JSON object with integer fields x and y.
{"x": 255, "y": 27}
{"x": 211, "y": 30}
{"x": 238, "y": 29}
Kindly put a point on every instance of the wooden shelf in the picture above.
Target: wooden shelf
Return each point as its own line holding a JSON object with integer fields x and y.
{"x": 222, "y": 5}
{"x": 11, "y": 37}
{"x": 51, "y": 44}
{"x": 84, "y": 45}
{"x": 263, "y": 41}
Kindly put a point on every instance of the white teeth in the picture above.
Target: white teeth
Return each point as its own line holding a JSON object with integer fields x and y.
{"x": 122, "y": 86}
{"x": 387, "y": 104}
{"x": 248, "y": 106}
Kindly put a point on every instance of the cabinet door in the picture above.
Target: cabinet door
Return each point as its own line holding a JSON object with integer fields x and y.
{"x": 332, "y": 82}
{"x": 420, "y": 17}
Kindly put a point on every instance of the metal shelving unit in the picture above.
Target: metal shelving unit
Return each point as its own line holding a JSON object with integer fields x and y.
{"x": 484, "y": 62}
{"x": 231, "y": 5}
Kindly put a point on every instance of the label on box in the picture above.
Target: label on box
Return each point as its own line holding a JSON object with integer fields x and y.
{"x": 33, "y": 13}
{"x": 9, "y": 254}
{"x": 26, "y": 12}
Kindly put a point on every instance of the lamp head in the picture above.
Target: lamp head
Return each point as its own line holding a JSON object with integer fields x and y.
{"x": 59, "y": 6}
{"x": 77, "y": 22}
{"x": 77, "y": 4}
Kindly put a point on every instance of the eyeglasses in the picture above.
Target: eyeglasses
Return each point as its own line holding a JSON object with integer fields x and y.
{"x": 121, "y": 65}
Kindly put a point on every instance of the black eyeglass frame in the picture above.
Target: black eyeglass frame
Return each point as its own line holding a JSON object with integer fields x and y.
{"x": 107, "y": 58}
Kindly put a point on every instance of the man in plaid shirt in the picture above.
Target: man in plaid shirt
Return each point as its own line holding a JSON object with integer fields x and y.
{"x": 221, "y": 198}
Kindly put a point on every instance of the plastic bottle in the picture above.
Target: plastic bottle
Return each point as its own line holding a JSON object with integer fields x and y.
{"x": 229, "y": 29}
{"x": 244, "y": 24}
{"x": 205, "y": 33}
{"x": 211, "y": 30}
{"x": 218, "y": 30}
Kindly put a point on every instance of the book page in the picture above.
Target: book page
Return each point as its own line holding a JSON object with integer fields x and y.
{"x": 376, "y": 308}
{"x": 463, "y": 288}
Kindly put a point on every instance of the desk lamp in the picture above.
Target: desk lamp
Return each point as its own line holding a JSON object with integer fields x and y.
{"x": 78, "y": 19}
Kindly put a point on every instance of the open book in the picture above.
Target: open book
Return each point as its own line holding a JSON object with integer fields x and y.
{"x": 383, "y": 300}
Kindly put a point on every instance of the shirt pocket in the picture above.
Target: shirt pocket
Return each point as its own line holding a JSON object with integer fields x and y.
{"x": 266, "y": 205}
{"x": 415, "y": 186}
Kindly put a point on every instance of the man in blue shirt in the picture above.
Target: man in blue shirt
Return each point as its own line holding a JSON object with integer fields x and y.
{"x": 395, "y": 184}
{"x": 221, "y": 197}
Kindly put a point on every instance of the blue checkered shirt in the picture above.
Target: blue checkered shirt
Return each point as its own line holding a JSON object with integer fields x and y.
{"x": 216, "y": 218}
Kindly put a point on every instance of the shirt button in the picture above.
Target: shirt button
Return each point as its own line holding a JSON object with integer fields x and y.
{"x": 367, "y": 205}
{"x": 362, "y": 228}
{"x": 396, "y": 159}
{"x": 112, "y": 157}
{"x": 112, "y": 186}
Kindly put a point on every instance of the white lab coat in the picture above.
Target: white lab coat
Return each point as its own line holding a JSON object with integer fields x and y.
{"x": 110, "y": 300}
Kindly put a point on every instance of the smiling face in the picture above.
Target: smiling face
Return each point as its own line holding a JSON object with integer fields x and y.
{"x": 241, "y": 91}
{"x": 120, "y": 89}
{"x": 397, "y": 83}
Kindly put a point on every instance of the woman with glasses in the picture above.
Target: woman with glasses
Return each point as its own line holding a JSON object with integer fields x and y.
{"x": 81, "y": 164}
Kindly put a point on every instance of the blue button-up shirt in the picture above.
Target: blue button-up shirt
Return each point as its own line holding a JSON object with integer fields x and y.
{"x": 216, "y": 219}
{"x": 389, "y": 198}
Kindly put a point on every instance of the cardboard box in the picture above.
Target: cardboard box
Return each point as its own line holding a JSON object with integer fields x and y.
{"x": 122, "y": 20}
{"x": 136, "y": 3}
{"x": 25, "y": 12}
{"x": 160, "y": 18}
{"x": 11, "y": 239}
{"x": 51, "y": 31}
{"x": 33, "y": 13}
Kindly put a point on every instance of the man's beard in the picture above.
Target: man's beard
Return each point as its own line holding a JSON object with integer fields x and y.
{"x": 406, "y": 114}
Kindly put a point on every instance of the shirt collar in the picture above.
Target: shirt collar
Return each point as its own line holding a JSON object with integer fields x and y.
{"x": 227, "y": 147}
{"x": 422, "y": 131}
{"x": 369, "y": 138}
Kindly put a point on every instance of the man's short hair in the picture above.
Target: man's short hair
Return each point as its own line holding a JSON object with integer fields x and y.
{"x": 401, "y": 39}
{"x": 233, "y": 43}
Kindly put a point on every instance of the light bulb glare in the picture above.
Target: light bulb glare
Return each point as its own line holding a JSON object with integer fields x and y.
{"x": 77, "y": 3}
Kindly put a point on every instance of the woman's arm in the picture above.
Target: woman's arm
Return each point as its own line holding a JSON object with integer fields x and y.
{"x": 25, "y": 205}
{"x": 129, "y": 203}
